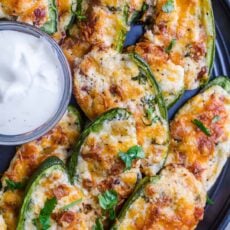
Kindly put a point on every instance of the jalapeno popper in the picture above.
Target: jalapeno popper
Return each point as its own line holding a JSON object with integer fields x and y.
{"x": 172, "y": 200}
{"x": 105, "y": 79}
{"x": 100, "y": 24}
{"x": 107, "y": 156}
{"x": 200, "y": 132}
{"x": 51, "y": 201}
{"x": 179, "y": 45}
{"x": 29, "y": 156}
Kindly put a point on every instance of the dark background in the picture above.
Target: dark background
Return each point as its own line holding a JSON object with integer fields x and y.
{"x": 217, "y": 216}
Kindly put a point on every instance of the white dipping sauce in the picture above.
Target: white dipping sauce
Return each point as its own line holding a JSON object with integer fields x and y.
{"x": 31, "y": 84}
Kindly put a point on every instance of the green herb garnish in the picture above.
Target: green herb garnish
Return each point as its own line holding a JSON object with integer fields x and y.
{"x": 168, "y": 6}
{"x": 170, "y": 46}
{"x": 135, "y": 152}
{"x": 79, "y": 13}
{"x": 216, "y": 119}
{"x": 11, "y": 185}
{"x": 43, "y": 221}
{"x": 108, "y": 202}
{"x": 72, "y": 204}
{"x": 202, "y": 127}
{"x": 209, "y": 201}
{"x": 98, "y": 225}
{"x": 141, "y": 78}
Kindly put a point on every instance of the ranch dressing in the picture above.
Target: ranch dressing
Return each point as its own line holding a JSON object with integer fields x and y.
{"x": 31, "y": 84}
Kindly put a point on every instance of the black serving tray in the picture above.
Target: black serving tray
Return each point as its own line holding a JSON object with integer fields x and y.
{"x": 217, "y": 216}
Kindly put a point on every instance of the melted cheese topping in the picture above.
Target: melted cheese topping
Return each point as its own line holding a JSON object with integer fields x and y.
{"x": 107, "y": 79}
{"x": 175, "y": 201}
{"x": 203, "y": 155}
{"x": 99, "y": 166}
{"x": 32, "y": 12}
{"x": 55, "y": 184}
{"x": 29, "y": 156}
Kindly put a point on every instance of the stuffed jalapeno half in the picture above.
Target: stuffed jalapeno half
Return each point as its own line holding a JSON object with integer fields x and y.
{"x": 172, "y": 200}
{"x": 101, "y": 24}
{"x": 106, "y": 79}
{"x": 42, "y": 14}
{"x": 200, "y": 131}
{"x": 50, "y": 201}
{"x": 107, "y": 156}
{"x": 179, "y": 45}
{"x": 29, "y": 156}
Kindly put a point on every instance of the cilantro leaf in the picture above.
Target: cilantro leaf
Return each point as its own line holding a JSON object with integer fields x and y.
{"x": 168, "y": 6}
{"x": 209, "y": 201}
{"x": 135, "y": 152}
{"x": 43, "y": 221}
{"x": 108, "y": 201}
{"x": 11, "y": 185}
{"x": 98, "y": 225}
{"x": 170, "y": 46}
{"x": 202, "y": 127}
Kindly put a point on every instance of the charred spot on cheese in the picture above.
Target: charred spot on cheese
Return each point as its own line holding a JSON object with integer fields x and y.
{"x": 29, "y": 156}
{"x": 46, "y": 194}
{"x": 174, "y": 199}
{"x": 204, "y": 146}
{"x": 105, "y": 79}
{"x": 42, "y": 14}
{"x": 95, "y": 163}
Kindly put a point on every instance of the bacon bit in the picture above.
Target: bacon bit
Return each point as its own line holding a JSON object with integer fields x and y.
{"x": 196, "y": 169}
{"x": 87, "y": 208}
{"x": 151, "y": 53}
{"x": 106, "y": 184}
{"x": 152, "y": 217}
{"x": 164, "y": 201}
{"x": 150, "y": 191}
{"x": 161, "y": 27}
{"x": 39, "y": 15}
{"x": 177, "y": 130}
{"x": 116, "y": 90}
{"x": 197, "y": 50}
{"x": 92, "y": 154}
{"x": 67, "y": 217}
{"x": 88, "y": 28}
{"x": 85, "y": 88}
{"x": 205, "y": 145}
{"x": 88, "y": 184}
{"x": 61, "y": 191}
{"x": 181, "y": 158}
{"x": 116, "y": 168}
{"x": 217, "y": 133}
{"x": 198, "y": 213}
{"x": 216, "y": 105}
{"x": 202, "y": 72}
